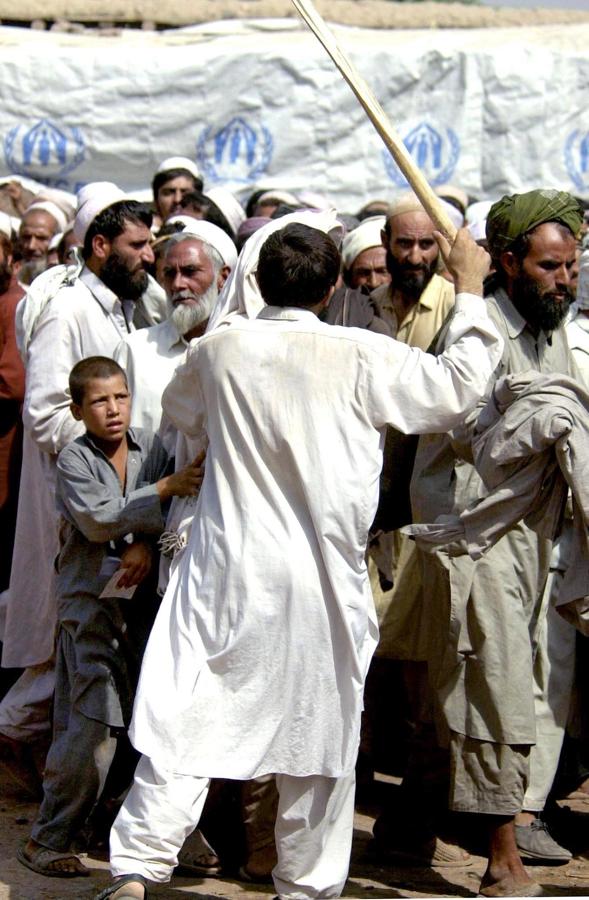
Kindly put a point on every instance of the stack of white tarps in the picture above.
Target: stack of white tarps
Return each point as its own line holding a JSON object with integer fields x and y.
{"x": 259, "y": 103}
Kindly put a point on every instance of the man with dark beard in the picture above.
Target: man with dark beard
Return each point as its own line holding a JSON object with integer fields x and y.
{"x": 87, "y": 316}
{"x": 485, "y": 619}
{"x": 417, "y": 301}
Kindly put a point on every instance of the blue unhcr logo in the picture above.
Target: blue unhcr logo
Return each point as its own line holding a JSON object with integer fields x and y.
{"x": 435, "y": 152}
{"x": 576, "y": 157}
{"x": 237, "y": 152}
{"x": 44, "y": 151}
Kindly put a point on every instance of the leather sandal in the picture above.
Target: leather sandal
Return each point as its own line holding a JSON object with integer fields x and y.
{"x": 121, "y": 882}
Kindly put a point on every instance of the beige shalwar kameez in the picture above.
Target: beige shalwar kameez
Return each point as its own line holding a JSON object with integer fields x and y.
{"x": 485, "y": 616}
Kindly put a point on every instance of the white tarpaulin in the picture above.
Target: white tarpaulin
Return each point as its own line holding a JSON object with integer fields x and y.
{"x": 260, "y": 103}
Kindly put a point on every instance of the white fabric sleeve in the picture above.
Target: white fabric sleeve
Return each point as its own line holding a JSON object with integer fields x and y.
{"x": 419, "y": 393}
{"x": 182, "y": 400}
{"x": 53, "y": 351}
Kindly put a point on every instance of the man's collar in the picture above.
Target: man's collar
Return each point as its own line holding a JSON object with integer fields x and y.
{"x": 104, "y": 295}
{"x": 286, "y": 313}
{"x": 428, "y": 298}
{"x": 170, "y": 334}
{"x": 514, "y": 320}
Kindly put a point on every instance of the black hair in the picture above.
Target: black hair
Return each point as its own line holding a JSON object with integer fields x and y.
{"x": 297, "y": 266}
{"x": 209, "y": 209}
{"x": 253, "y": 201}
{"x": 112, "y": 221}
{"x": 163, "y": 177}
{"x": 91, "y": 367}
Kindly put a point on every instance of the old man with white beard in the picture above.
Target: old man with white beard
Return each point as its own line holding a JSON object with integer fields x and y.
{"x": 197, "y": 263}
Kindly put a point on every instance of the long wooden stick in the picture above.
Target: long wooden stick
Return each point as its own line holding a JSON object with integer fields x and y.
{"x": 378, "y": 117}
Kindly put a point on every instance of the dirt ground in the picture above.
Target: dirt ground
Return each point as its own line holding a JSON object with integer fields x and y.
{"x": 363, "y": 13}
{"x": 369, "y": 877}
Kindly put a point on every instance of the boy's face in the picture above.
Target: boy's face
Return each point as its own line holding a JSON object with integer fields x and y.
{"x": 105, "y": 409}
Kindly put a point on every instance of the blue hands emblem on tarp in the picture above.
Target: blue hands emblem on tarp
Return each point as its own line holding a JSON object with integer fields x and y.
{"x": 239, "y": 151}
{"x": 436, "y": 152}
{"x": 576, "y": 157}
{"x": 44, "y": 151}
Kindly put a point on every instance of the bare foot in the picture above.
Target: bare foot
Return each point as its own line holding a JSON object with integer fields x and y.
{"x": 505, "y": 875}
{"x": 509, "y": 879}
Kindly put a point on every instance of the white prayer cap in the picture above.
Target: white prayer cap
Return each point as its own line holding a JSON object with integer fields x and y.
{"x": 364, "y": 236}
{"x": 450, "y": 190}
{"x": 478, "y": 212}
{"x": 210, "y": 234}
{"x": 142, "y": 195}
{"x": 313, "y": 200}
{"x": 93, "y": 198}
{"x": 66, "y": 201}
{"x": 478, "y": 230}
{"x": 229, "y": 206}
{"x": 5, "y": 224}
{"x": 404, "y": 203}
{"x": 410, "y": 202}
{"x": 282, "y": 197}
{"x": 582, "y": 300}
{"x": 55, "y": 241}
{"x": 179, "y": 162}
{"x": 52, "y": 209}
{"x": 453, "y": 214}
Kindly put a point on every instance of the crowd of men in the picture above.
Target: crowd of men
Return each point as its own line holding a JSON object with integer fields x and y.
{"x": 219, "y": 405}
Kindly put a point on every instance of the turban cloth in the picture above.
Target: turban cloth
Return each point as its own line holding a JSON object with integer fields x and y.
{"x": 210, "y": 234}
{"x": 512, "y": 217}
{"x": 365, "y": 236}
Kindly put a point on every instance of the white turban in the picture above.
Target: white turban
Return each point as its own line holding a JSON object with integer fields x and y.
{"x": 478, "y": 212}
{"x": 55, "y": 241}
{"x": 241, "y": 294}
{"x": 210, "y": 234}
{"x": 450, "y": 190}
{"x": 453, "y": 214}
{"x": 52, "y": 209}
{"x": 281, "y": 196}
{"x": 364, "y": 236}
{"x": 582, "y": 300}
{"x": 313, "y": 200}
{"x": 178, "y": 162}
{"x": 229, "y": 206}
{"x": 93, "y": 199}
{"x": 478, "y": 230}
{"x": 66, "y": 201}
{"x": 6, "y": 224}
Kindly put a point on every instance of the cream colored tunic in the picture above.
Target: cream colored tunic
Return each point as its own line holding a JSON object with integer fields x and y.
{"x": 424, "y": 320}
{"x": 401, "y": 609}
{"x": 484, "y": 615}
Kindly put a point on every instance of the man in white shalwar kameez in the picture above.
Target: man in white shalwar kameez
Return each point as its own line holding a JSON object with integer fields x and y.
{"x": 257, "y": 660}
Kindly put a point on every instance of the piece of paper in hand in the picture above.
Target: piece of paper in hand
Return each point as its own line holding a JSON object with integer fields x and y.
{"x": 112, "y": 590}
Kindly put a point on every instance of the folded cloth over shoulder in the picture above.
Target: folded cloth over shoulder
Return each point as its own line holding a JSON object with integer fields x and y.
{"x": 530, "y": 446}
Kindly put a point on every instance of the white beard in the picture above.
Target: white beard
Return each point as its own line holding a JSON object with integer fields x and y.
{"x": 187, "y": 316}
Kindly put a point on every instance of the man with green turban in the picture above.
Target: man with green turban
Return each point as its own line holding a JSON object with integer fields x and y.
{"x": 487, "y": 616}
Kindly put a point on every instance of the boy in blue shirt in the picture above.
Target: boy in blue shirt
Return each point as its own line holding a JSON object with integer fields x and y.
{"x": 111, "y": 485}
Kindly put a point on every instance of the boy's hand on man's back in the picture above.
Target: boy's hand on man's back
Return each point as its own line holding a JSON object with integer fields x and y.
{"x": 185, "y": 483}
{"x": 136, "y": 561}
